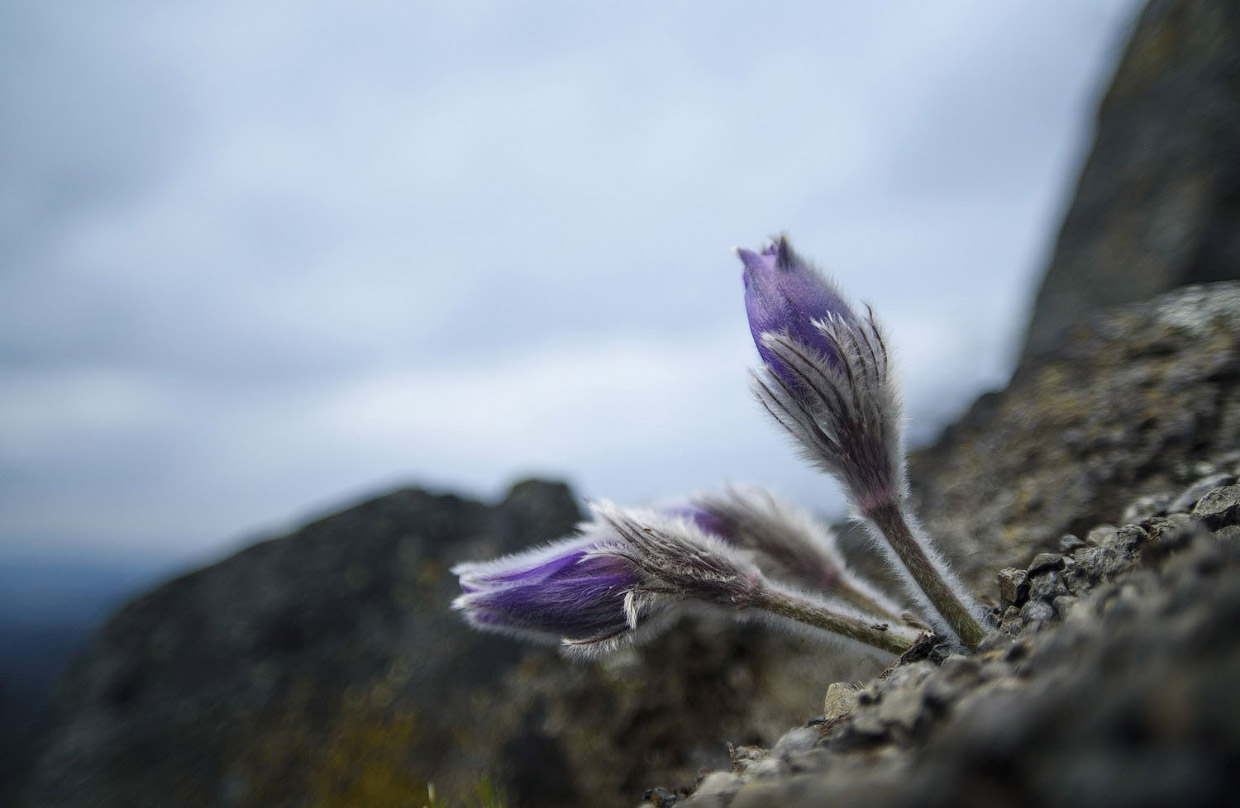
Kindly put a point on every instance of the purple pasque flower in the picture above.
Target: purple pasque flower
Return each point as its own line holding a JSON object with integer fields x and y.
{"x": 826, "y": 376}
{"x": 784, "y": 294}
{"x": 827, "y": 380}
{"x": 615, "y": 583}
{"x": 787, "y": 543}
{"x": 619, "y": 582}
{"x": 563, "y": 592}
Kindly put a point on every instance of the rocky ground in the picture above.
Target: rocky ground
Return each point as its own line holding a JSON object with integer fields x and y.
{"x": 1110, "y": 681}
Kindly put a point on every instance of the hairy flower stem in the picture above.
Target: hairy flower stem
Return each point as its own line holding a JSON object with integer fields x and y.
{"x": 858, "y": 599}
{"x": 891, "y": 522}
{"x": 893, "y": 638}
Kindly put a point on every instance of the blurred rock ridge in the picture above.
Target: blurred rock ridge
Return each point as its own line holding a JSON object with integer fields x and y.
{"x": 1093, "y": 503}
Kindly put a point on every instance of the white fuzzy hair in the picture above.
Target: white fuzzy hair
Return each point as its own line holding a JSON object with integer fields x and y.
{"x": 846, "y": 416}
{"x": 789, "y": 542}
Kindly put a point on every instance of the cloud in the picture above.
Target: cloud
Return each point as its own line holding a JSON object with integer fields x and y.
{"x": 258, "y": 259}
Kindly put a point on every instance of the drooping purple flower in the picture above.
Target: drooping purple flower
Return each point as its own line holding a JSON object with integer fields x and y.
{"x": 785, "y": 294}
{"x": 619, "y": 582}
{"x": 616, "y": 583}
{"x": 787, "y": 543}
{"x": 562, "y": 593}
{"x": 706, "y": 521}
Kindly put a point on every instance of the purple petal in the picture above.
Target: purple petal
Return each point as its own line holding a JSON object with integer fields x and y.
{"x": 584, "y": 607}
{"x": 708, "y": 522}
{"x": 784, "y": 293}
{"x": 559, "y": 591}
{"x": 528, "y": 567}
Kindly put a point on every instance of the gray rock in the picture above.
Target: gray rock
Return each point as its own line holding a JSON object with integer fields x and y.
{"x": 801, "y": 739}
{"x": 1036, "y": 612}
{"x": 1047, "y": 586}
{"x": 1146, "y": 506}
{"x": 841, "y": 699}
{"x": 1130, "y": 700}
{"x": 1170, "y": 533}
{"x": 1154, "y": 207}
{"x": 661, "y": 798}
{"x": 1013, "y": 585}
{"x": 1068, "y": 543}
{"x": 1101, "y": 535}
{"x": 1219, "y": 508}
{"x": 1230, "y": 533}
{"x": 1045, "y": 562}
{"x": 1137, "y": 390}
{"x": 1189, "y": 496}
{"x": 902, "y": 708}
{"x": 716, "y": 790}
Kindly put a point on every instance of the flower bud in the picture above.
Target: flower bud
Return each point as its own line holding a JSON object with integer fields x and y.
{"x": 784, "y": 294}
{"x": 562, "y": 593}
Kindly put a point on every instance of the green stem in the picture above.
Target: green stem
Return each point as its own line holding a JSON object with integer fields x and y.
{"x": 891, "y": 522}
{"x": 895, "y": 639}
{"x": 862, "y": 600}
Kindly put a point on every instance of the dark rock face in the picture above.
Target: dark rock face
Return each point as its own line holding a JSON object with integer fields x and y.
{"x": 1110, "y": 682}
{"x": 321, "y": 668}
{"x": 325, "y": 668}
{"x": 1142, "y": 400}
{"x": 1158, "y": 201}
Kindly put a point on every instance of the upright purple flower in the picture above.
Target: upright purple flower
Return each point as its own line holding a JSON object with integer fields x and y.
{"x": 826, "y": 378}
{"x": 785, "y": 295}
{"x": 827, "y": 381}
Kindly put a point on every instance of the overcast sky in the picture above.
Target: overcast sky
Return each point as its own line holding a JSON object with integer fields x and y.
{"x": 259, "y": 260}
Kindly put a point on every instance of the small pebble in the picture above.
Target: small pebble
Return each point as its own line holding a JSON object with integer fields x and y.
{"x": 1143, "y": 508}
{"x": 1047, "y": 587}
{"x": 717, "y": 788}
{"x": 1035, "y": 613}
{"x": 1130, "y": 537}
{"x": 841, "y": 699}
{"x": 1013, "y": 585}
{"x": 902, "y": 708}
{"x": 1191, "y": 495}
{"x": 1045, "y": 562}
{"x": 1069, "y": 543}
{"x": 1101, "y": 535}
{"x": 1219, "y": 508}
{"x": 800, "y": 739}
{"x": 1010, "y": 622}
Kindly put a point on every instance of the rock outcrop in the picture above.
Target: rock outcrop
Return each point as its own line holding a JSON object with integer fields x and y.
{"x": 1111, "y": 682}
{"x": 320, "y": 668}
{"x": 1142, "y": 400}
{"x": 325, "y": 668}
{"x": 1157, "y": 205}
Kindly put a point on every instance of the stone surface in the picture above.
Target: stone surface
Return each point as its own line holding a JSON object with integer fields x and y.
{"x": 1045, "y": 562}
{"x": 1219, "y": 508}
{"x": 1190, "y": 495}
{"x": 1156, "y": 204}
{"x": 1143, "y": 393}
{"x": 1125, "y": 696}
{"x": 1013, "y": 585}
{"x": 840, "y": 701}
